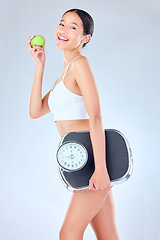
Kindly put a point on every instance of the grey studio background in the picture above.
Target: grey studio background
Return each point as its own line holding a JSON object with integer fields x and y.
{"x": 124, "y": 56}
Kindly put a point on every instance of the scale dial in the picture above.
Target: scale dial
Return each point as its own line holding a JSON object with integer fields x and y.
{"x": 72, "y": 156}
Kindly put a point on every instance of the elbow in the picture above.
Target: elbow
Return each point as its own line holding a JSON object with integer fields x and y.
{"x": 95, "y": 117}
{"x": 96, "y": 123}
{"x": 33, "y": 115}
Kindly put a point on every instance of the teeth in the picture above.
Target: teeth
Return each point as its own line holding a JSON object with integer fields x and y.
{"x": 62, "y": 38}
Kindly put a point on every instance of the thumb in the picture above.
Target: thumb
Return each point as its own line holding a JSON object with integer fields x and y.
{"x": 90, "y": 184}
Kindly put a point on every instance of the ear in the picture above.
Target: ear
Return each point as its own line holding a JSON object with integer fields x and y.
{"x": 86, "y": 38}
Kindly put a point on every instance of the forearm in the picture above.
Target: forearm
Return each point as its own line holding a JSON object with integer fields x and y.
{"x": 35, "y": 104}
{"x": 97, "y": 136}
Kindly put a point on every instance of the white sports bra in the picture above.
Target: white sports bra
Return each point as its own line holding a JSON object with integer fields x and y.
{"x": 64, "y": 104}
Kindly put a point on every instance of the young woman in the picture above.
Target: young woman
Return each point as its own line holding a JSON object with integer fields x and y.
{"x": 75, "y": 102}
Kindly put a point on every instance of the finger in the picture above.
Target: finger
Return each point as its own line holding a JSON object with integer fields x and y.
{"x": 37, "y": 47}
{"x": 90, "y": 185}
{"x": 38, "y": 52}
{"x": 95, "y": 187}
{"x": 109, "y": 187}
{"x": 29, "y": 40}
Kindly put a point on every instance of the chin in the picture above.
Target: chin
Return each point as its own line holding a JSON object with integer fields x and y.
{"x": 64, "y": 48}
{"x": 60, "y": 47}
{"x": 70, "y": 48}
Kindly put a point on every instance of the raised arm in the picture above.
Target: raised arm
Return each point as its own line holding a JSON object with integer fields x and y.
{"x": 38, "y": 106}
{"x": 87, "y": 84}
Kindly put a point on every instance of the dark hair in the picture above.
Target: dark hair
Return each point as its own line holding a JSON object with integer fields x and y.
{"x": 88, "y": 23}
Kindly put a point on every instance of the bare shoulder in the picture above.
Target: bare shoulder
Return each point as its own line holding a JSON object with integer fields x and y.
{"x": 81, "y": 62}
{"x": 82, "y": 68}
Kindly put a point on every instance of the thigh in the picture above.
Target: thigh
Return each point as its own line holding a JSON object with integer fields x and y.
{"x": 83, "y": 206}
{"x": 103, "y": 223}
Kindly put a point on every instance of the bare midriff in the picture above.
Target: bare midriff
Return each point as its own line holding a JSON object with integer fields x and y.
{"x": 66, "y": 126}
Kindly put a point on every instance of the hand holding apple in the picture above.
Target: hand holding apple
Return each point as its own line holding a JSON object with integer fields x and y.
{"x": 35, "y": 44}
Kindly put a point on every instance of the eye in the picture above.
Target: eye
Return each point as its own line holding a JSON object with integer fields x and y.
{"x": 61, "y": 24}
{"x": 73, "y": 28}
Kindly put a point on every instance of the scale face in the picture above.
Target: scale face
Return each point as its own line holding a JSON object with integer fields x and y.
{"x": 72, "y": 156}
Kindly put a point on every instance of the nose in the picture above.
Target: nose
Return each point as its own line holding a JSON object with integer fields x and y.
{"x": 63, "y": 30}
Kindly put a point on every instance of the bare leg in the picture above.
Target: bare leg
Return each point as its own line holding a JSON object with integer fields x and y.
{"x": 103, "y": 223}
{"x": 84, "y": 205}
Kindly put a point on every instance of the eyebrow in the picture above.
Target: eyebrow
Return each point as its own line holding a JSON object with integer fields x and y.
{"x": 71, "y": 22}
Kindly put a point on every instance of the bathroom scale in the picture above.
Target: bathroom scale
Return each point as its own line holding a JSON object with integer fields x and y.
{"x": 75, "y": 158}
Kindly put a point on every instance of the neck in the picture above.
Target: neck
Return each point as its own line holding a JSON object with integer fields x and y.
{"x": 70, "y": 55}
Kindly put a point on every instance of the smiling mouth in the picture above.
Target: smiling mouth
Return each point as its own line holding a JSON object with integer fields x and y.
{"x": 62, "y": 38}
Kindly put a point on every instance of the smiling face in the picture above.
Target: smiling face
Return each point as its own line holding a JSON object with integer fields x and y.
{"x": 69, "y": 33}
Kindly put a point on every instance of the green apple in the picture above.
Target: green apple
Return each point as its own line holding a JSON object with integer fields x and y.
{"x": 38, "y": 40}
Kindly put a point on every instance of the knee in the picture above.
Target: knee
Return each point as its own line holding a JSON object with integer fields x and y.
{"x": 69, "y": 234}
